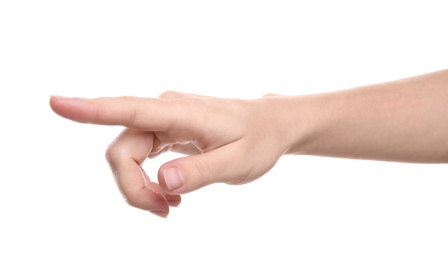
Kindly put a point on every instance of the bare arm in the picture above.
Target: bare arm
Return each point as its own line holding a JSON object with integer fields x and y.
{"x": 404, "y": 120}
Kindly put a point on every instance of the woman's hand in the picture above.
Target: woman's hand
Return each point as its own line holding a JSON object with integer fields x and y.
{"x": 226, "y": 140}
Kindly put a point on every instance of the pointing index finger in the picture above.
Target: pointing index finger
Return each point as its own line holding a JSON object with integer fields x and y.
{"x": 139, "y": 113}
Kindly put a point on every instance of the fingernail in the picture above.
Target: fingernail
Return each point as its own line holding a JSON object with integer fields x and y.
{"x": 161, "y": 214}
{"x": 58, "y": 97}
{"x": 173, "y": 178}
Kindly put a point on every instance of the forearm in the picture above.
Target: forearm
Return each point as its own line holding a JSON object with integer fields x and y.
{"x": 404, "y": 120}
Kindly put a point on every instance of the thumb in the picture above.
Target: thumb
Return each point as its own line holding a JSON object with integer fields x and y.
{"x": 225, "y": 164}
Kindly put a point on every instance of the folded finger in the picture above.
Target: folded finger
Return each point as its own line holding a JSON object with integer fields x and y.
{"x": 125, "y": 156}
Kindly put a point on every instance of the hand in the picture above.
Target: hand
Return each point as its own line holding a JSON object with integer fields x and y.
{"x": 227, "y": 140}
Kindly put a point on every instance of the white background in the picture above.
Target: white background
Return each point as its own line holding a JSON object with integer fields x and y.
{"x": 59, "y": 201}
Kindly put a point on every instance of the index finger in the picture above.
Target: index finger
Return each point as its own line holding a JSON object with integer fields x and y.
{"x": 139, "y": 113}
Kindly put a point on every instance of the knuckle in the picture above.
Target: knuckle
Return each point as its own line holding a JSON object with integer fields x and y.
{"x": 204, "y": 170}
{"x": 271, "y": 95}
{"x": 112, "y": 152}
{"x": 204, "y": 109}
{"x": 169, "y": 94}
{"x": 129, "y": 100}
{"x": 133, "y": 201}
{"x": 132, "y": 115}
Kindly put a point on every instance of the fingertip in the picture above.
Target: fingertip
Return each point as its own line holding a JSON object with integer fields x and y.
{"x": 161, "y": 214}
{"x": 171, "y": 179}
{"x": 148, "y": 199}
{"x": 55, "y": 101}
{"x": 58, "y": 104}
{"x": 76, "y": 109}
{"x": 174, "y": 200}
{"x": 57, "y": 97}
{"x": 184, "y": 175}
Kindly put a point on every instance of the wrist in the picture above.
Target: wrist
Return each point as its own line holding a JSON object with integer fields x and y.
{"x": 297, "y": 120}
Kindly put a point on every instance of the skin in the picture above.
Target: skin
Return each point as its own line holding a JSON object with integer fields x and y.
{"x": 237, "y": 141}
